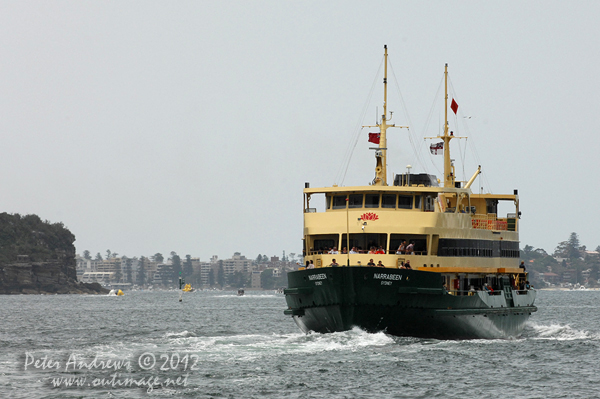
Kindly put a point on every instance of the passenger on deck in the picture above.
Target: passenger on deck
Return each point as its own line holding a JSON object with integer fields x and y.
{"x": 310, "y": 265}
{"x": 334, "y": 251}
{"x": 407, "y": 265}
{"x": 379, "y": 264}
{"x": 471, "y": 291}
{"x": 371, "y": 263}
{"x": 334, "y": 263}
{"x": 522, "y": 266}
{"x": 353, "y": 250}
{"x": 372, "y": 251}
{"x": 344, "y": 250}
{"x": 410, "y": 249}
{"x": 401, "y": 248}
{"x": 527, "y": 285}
{"x": 380, "y": 251}
{"x": 488, "y": 288}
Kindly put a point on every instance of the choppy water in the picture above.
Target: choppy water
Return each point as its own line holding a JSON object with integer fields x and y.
{"x": 244, "y": 347}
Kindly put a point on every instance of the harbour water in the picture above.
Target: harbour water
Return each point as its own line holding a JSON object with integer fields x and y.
{"x": 216, "y": 344}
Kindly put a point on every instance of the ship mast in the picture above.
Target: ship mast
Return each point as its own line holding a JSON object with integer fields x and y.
{"x": 381, "y": 154}
{"x": 448, "y": 167}
{"x": 381, "y": 151}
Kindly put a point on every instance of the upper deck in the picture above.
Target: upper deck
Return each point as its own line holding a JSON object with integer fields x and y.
{"x": 438, "y": 221}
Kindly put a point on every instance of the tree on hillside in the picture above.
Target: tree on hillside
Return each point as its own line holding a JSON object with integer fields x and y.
{"x": 158, "y": 258}
{"x": 108, "y": 254}
{"x": 98, "y": 256}
{"x": 267, "y": 281}
{"x": 188, "y": 270}
{"x": 86, "y": 255}
{"x": 118, "y": 273}
{"x": 128, "y": 270}
{"x": 569, "y": 249}
{"x": 176, "y": 262}
{"x": 221, "y": 274}
{"x": 211, "y": 278}
{"x": 141, "y": 273}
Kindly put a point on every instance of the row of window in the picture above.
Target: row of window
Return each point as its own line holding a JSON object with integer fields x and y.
{"x": 478, "y": 248}
{"x": 376, "y": 200}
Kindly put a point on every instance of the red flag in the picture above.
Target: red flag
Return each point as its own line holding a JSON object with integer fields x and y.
{"x": 454, "y": 106}
{"x": 374, "y": 138}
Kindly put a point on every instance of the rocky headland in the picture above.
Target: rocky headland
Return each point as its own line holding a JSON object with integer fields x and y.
{"x": 38, "y": 257}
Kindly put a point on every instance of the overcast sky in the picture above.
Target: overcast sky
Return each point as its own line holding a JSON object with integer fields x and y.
{"x": 191, "y": 126}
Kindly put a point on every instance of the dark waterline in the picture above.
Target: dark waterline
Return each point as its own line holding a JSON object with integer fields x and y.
{"x": 244, "y": 347}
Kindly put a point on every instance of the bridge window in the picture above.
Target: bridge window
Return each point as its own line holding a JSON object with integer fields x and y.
{"x": 339, "y": 202}
{"x": 418, "y": 202}
{"x": 388, "y": 201}
{"x": 405, "y": 202}
{"x": 429, "y": 204}
{"x": 372, "y": 201}
{"x": 355, "y": 201}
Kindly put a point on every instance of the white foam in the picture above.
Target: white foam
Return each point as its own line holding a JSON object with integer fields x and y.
{"x": 183, "y": 334}
{"x": 560, "y": 332}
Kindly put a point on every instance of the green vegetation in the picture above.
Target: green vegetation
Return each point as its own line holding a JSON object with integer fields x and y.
{"x": 570, "y": 263}
{"x": 28, "y": 235}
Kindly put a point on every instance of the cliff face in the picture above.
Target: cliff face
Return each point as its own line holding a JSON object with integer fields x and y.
{"x": 38, "y": 257}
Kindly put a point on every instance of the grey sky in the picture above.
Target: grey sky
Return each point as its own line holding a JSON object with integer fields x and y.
{"x": 192, "y": 126}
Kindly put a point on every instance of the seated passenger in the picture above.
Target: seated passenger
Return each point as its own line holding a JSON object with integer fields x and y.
{"x": 372, "y": 251}
{"x": 371, "y": 263}
{"x": 334, "y": 251}
{"x": 379, "y": 264}
{"x": 310, "y": 265}
{"x": 334, "y": 263}
{"x": 344, "y": 250}
{"x": 380, "y": 251}
{"x": 353, "y": 250}
{"x": 407, "y": 265}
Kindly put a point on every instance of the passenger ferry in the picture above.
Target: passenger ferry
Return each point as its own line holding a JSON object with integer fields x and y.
{"x": 418, "y": 257}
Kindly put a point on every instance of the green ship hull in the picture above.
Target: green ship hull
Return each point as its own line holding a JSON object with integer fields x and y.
{"x": 402, "y": 303}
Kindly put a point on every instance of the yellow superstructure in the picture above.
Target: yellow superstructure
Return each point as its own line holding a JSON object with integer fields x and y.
{"x": 451, "y": 230}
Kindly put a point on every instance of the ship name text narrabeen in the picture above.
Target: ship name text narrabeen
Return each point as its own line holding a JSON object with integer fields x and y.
{"x": 384, "y": 276}
{"x": 321, "y": 276}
